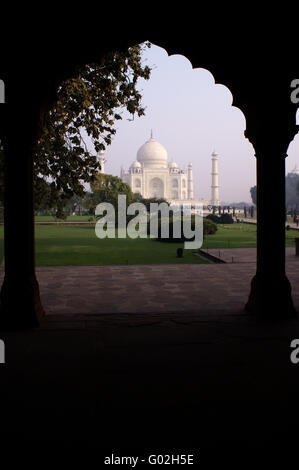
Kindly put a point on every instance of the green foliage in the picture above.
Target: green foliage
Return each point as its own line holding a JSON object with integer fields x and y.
{"x": 253, "y": 194}
{"x": 209, "y": 228}
{"x": 148, "y": 201}
{"x": 88, "y": 105}
{"x": 213, "y": 217}
{"x": 107, "y": 188}
{"x": 224, "y": 218}
{"x": 292, "y": 190}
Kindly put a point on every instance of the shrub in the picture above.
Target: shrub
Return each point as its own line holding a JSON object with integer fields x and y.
{"x": 213, "y": 217}
{"x": 221, "y": 219}
{"x": 226, "y": 219}
{"x": 209, "y": 228}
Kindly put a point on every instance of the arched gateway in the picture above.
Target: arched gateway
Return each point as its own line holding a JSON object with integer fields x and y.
{"x": 260, "y": 84}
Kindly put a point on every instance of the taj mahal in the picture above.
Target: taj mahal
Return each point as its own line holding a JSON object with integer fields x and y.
{"x": 153, "y": 176}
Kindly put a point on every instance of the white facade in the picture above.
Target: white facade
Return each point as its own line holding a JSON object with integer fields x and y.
{"x": 152, "y": 176}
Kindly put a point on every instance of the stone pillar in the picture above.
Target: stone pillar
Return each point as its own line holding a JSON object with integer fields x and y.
{"x": 20, "y": 305}
{"x": 270, "y": 294}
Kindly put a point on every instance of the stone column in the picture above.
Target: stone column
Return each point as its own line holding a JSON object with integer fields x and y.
{"x": 20, "y": 305}
{"x": 270, "y": 294}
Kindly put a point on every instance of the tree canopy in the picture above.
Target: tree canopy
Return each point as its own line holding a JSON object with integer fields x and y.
{"x": 292, "y": 196}
{"x": 86, "y": 110}
{"x": 148, "y": 201}
{"x": 106, "y": 188}
{"x": 253, "y": 194}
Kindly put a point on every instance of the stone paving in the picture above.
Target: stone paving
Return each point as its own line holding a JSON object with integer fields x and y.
{"x": 155, "y": 289}
{"x": 87, "y": 291}
{"x": 143, "y": 288}
{"x": 154, "y": 376}
{"x": 245, "y": 255}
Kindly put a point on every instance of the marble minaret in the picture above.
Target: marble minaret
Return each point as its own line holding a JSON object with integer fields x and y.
{"x": 102, "y": 160}
{"x": 215, "y": 201}
{"x": 190, "y": 182}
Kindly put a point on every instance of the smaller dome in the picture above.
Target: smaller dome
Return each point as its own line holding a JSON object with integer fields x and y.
{"x": 173, "y": 165}
{"x": 136, "y": 164}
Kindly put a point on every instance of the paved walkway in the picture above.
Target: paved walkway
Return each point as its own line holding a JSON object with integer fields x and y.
{"x": 143, "y": 381}
{"x": 144, "y": 289}
{"x": 155, "y": 289}
{"x": 86, "y": 291}
{"x": 244, "y": 255}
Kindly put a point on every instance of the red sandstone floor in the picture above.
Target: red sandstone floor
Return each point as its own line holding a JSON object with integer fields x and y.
{"x": 157, "y": 288}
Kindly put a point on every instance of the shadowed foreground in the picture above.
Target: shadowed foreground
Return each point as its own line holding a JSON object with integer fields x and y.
{"x": 218, "y": 385}
{"x": 147, "y": 359}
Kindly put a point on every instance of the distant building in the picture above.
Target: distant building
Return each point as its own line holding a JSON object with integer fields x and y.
{"x": 152, "y": 176}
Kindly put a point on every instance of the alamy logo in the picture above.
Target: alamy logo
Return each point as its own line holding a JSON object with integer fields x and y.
{"x": 2, "y": 91}
{"x": 294, "y": 357}
{"x": 2, "y": 352}
{"x": 295, "y": 93}
{"x": 185, "y": 222}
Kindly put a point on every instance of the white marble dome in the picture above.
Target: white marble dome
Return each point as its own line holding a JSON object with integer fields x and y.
{"x": 152, "y": 154}
{"x": 136, "y": 164}
{"x": 173, "y": 165}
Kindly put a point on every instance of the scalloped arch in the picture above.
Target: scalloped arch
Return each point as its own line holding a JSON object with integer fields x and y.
{"x": 220, "y": 77}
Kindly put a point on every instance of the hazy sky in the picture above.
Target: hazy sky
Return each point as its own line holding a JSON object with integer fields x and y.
{"x": 191, "y": 116}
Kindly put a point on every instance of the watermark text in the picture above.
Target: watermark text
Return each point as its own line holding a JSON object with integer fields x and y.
{"x": 295, "y": 92}
{"x": 185, "y": 221}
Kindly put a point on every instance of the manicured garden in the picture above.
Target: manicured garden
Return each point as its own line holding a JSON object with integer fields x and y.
{"x": 78, "y": 245}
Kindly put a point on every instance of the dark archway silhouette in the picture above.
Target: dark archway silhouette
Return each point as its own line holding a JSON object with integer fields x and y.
{"x": 270, "y": 127}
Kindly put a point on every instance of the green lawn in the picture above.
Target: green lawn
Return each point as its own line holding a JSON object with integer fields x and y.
{"x": 70, "y": 218}
{"x": 240, "y": 236}
{"x": 78, "y": 245}
{"x": 232, "y": 236}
